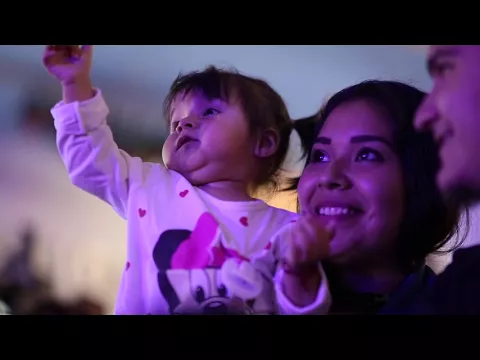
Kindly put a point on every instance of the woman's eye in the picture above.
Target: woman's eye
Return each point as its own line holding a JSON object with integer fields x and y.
{"x": 318, "y": 156}
{"x": 369, "y": 155}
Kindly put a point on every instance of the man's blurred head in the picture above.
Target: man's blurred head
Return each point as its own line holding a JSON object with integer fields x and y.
{"x": 452, "y": 113}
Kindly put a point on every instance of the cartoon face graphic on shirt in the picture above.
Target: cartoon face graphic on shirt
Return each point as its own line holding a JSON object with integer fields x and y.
{"x": 197, "y": 275}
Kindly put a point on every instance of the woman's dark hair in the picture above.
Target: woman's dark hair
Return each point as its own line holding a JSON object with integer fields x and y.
{"x": 429, "y": 222}
{"x": 305, "y": 127}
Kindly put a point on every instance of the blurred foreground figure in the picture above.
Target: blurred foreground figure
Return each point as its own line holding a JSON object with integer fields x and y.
{"x": 20, "y": 286}
{"x": 23, "y": 292}
{"x": 80, "y": 307}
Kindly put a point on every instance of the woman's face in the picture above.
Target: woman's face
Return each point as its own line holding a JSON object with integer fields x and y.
{"x": 354, "y": 181}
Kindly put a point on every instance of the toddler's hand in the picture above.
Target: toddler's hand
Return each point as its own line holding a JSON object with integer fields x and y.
{"x": 308, "y": 243}
{"x": 68, "y": 63}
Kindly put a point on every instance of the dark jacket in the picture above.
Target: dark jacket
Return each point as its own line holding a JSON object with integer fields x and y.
{"x": 457, "y": 289}
{"x": 405, "y": 299}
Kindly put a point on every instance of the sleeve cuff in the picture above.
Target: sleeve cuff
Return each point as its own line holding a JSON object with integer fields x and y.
{"x": 78, "y": 118}
{"x": 320, "y": 306}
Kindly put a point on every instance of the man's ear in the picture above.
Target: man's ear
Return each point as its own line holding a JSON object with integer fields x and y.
{"x": 267, "y": 143}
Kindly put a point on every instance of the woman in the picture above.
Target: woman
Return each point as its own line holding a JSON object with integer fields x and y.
{"x": 373, "y": 177}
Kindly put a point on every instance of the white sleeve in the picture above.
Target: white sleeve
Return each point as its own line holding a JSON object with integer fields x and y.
{"x": 320, "y": 306}
{"x": 90, "y": 154}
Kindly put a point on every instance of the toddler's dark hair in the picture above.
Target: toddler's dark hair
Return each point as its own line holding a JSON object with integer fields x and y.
{"x": 264, "y": 109}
